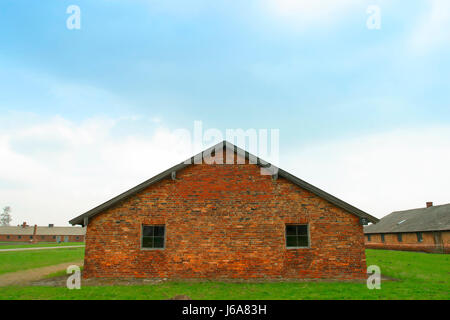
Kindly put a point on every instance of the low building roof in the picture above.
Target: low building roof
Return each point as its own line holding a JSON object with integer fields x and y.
{"x": 42, "y": 231}
{"x": 83, "y": 218}
{"x": 434, "y": 218}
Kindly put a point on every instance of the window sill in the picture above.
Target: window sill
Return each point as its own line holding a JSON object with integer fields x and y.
{"x": 293, "y": 248}
{"x": 152, "y": 249}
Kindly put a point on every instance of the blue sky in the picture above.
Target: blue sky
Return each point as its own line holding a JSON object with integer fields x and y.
{"x": 137, "y": 70}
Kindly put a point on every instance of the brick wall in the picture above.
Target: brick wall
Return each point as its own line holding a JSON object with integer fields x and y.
{"x": 14, "y": 238}
{"x": 225, "y": 222}
{"x": 446, "y": 240}
{"x": 410, "y": 242}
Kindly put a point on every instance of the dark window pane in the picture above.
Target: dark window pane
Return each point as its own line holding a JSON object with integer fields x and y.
{"x": 147, "y": 231}
{"x": 302, "y": 241}
{"x": 399, "y": 237}
{"x": 291, "y": 230}
{"x": 291, "y": 241}
{"x": 382, "y": 237}
{"x": 159, "y": 231}
{"x": 158, "y": 242}
{"x": 297, "y": 236}
{"x": 153, "y": 236}
{"x": 147, "y": 242}
{"x": 302, "y": 230}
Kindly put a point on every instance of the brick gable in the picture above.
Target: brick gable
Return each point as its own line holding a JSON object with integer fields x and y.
{"x": 225, "y": 222}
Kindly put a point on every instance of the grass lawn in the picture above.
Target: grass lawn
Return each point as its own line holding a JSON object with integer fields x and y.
{"x": 421, "y": 276}
{"x": 23, "y": 260}
{"x": 39, "y": 245}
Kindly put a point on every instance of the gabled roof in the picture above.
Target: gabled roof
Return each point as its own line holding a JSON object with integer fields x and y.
{"x": 82, "y": 219}
{"x": 42, "y": 231}
{"x": 434, "y": 218}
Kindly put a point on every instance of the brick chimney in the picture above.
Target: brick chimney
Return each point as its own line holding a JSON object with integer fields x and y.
{"x": 429, "y": 204}
{"x": 24, "y": 224}
{"x": 34, "y": 233}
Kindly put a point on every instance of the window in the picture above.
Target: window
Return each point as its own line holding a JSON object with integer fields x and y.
{"x": 153, "y": 237}
{"x": 20, "y": 237}
{"x": 382, "y": 238}
{"x": 297, "y": 236}
{"x": 368, "y": 237}
{"x": 31, "y": 237}
{"x": 399, "y": 237}
{"x": 78, "y": 237}
{"x": 42, "y": 237}
{"x": 7, "y": 237}
{"x": 419, "y": 236}
{"x": 54, "y": 237}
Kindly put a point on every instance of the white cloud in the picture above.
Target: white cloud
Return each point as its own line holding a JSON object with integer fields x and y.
{"x": 433, "y": 30}
{"x": 54, "y": 170}
{"x": 380, "y": 173}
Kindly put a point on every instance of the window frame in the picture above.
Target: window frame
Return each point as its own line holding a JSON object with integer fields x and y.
{"x": 382, "y": 238}
{"x": 308, "y": 234}
{"x": 368, "y": 238}
{"x": 419, "y": 236}
{"x": 142, "y": 236}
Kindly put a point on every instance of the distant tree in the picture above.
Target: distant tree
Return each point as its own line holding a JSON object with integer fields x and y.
{"x": 5, "y": 217}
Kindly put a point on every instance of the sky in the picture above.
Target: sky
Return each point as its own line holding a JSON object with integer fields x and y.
{"x": 85, "y": 114}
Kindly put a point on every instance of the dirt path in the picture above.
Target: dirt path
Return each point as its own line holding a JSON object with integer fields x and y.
{"x": 39, "y": 248}
{"x": 25, "y": 276}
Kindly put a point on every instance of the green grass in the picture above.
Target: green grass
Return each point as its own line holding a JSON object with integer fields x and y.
{"x": 22, "y": 260}
{"x": 421, "y": 276}
{"x": 39, "y": 245}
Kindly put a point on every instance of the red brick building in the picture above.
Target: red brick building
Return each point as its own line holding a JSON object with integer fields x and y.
{"x": 34, "y": 234}
{"x": 423, "y": 229}
{"x": 225, "y": 221}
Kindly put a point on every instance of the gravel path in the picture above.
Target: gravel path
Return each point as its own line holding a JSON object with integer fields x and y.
{"x": 39, "y": 248}
{"x": 26, "y": 276}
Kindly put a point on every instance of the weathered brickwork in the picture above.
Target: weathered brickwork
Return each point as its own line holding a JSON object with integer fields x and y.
{"x": 433, "y": 242}
{"x": 225, "y": 222}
